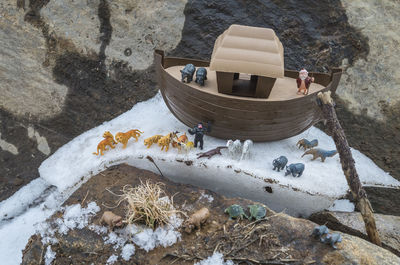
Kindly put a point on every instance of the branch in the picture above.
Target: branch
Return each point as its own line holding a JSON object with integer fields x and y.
{"x": 348, "y": 165}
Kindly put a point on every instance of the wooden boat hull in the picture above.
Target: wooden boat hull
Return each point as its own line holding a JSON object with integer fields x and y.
{"x": 238, "y": 117}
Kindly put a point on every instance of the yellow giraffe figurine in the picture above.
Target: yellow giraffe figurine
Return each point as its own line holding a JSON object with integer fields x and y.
{"x": 124, "y": 137}
{"x": 109, "y": 140}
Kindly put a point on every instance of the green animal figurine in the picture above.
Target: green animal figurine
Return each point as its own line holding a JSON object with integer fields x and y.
{"x": 235, "y": 211}
{"x": 257, "y": 211}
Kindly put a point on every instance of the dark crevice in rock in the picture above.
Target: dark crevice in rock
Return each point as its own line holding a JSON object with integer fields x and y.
{"x": 33, "y": 17}
{"x": 315, "y": 34}
{"x": 105, "y": 29}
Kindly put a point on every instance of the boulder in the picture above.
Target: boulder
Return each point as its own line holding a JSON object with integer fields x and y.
{"x": 352, "y": 223}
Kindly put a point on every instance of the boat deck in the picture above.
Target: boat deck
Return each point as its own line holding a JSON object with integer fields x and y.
{"x": 284, "y": 88}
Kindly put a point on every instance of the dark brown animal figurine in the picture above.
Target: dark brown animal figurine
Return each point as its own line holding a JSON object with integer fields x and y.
{"x": 196, "y": 220}
{"x": 111, "y": 219}
{"x": 211, "y": 153}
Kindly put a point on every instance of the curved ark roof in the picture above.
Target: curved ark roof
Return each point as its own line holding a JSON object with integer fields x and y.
{"x": 250, "y": 50}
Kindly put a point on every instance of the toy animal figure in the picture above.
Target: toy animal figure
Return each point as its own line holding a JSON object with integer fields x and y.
{"x": 188, "y": 72}
{"x": 211, "y": 153}
{"x": 166, "y": 140}
{"x": 198, "y": 132}
{"x": 111, "y": 220}
{"x": 234, "y": 148}
{"x": 307, "y": 144}
{"x": 279, "y": 163}
{"x": 319, "y": 231}
{"x": 247, "y": 146}
{"x": 124, "y": 137}
{"x": 181, "y": 139}
{"x": 331, "y": 239}
{"x": 152, "y": 140}
{"x": 102, "y": 146}
{"x": 323, "y": 154}
{"x": 186, "y": 146}
{"x": 201, "y": 75}
{"x": 196, "y": 220}
{"x": 295, "y": 169}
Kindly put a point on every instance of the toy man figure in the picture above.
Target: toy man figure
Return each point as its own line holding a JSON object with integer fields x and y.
{"x": 303, "y": 82}
{"x": 198, "y": 132}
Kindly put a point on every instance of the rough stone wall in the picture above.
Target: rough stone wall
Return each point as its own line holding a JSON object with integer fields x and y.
{"x": 371, "y": 86}
{"x": 67, "y": 66}
{"x": 27, "y": 86}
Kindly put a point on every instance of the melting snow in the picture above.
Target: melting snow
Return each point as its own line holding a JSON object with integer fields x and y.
{"x": 215, "y": 259}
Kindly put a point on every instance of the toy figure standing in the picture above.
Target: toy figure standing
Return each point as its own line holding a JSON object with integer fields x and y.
{"x": 199, "y": 131}
{"x": 303, "y": 82}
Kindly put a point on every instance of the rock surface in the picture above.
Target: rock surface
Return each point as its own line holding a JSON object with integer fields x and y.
{"x": 352, "y": 223}
{"x": 65, "y": 69}
{"x": 371, "y": 85}
{"x": 279, "y": 238}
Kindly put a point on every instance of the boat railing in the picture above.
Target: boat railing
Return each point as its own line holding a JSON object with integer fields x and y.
{"x": 327, "y": 80}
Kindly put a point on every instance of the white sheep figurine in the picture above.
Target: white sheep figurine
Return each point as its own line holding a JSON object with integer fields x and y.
{"x": 234, "y": 148}
{"x": 247, "y": 146}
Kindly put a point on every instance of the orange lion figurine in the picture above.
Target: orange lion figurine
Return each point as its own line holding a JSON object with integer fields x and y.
{"x": 109, "y": 140}
{"x": 124, "y": 137}
{"x": 181, "y": 139}
{"x": 152, "y": 140}
{"x": 166, "y": 140}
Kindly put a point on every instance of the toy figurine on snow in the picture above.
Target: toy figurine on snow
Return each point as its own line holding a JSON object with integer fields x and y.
{"x": 239, "y": 152}
{"x": 279, "y": 163}
{"x": 211, "y": 153}
{"x": 306, "y": 144}
{"x": 198, "y": 132}
{"x": 304, "y": 82}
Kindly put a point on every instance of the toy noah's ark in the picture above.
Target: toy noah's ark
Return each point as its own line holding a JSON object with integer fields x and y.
{"x": 247, "y": 94}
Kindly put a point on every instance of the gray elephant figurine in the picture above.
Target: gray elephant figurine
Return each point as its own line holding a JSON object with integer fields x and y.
{"x": 331, "y": 239}
{"x": 201, "y": 75}
{"x": 188, "y": 72}
{"x": 279, "y": 163}
{"x": 295, "y": 169}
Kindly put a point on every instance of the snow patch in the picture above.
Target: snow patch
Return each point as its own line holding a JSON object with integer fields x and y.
{"x": 74, "y": 217}
{"x": 128, "y": 251}
{"x": 165, "y": 236}
{"x": 207, "y": 197}
{"x": 215, "y": 259}
{"x": 22, "y": 199}
{"x": 112, "y": 259}
{"x": 49, "y": 256}
{"x": 342, "y": 206}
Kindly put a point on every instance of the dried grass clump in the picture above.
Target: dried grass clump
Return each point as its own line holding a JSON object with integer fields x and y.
{"x": 147, "y": 203}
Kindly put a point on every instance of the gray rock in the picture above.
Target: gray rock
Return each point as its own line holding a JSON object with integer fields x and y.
{"x": 364, "y": 84}
{"x": 352, "y": 223}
